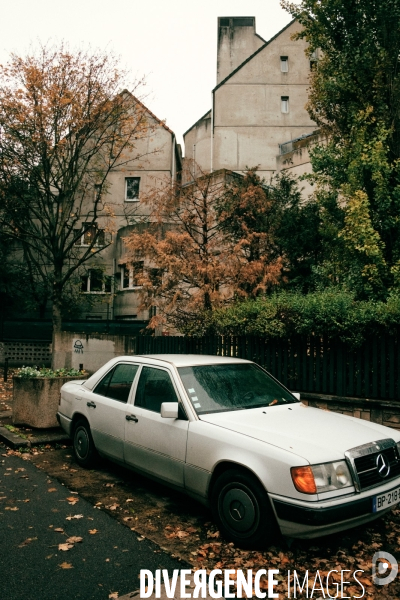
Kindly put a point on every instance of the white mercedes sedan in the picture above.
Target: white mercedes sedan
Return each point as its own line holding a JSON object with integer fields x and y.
{"x": 227, "y": 433}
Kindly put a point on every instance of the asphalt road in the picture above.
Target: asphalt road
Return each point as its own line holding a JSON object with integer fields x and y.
{"x": 32, "y": 508}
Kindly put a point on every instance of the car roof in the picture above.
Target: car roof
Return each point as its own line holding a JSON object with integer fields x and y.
{"x": 190, "y": 360}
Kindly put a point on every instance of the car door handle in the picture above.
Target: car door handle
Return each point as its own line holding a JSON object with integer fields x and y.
{"x": 131, "y": 418}
{"x": 91, "y": 404}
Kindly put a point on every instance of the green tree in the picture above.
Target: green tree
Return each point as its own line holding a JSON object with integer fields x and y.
{"x": 274, "y": 226}
{"x": 355, "y": 98}
{"x": 64, "y": 125}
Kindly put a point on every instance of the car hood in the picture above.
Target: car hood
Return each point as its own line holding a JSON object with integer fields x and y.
{"x": 314, "y": 434}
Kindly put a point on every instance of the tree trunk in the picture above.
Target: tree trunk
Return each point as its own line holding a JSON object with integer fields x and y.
{"x": 57, "y": 353}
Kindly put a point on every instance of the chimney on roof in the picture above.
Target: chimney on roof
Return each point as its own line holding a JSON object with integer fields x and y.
{"x": 237, "y": 40}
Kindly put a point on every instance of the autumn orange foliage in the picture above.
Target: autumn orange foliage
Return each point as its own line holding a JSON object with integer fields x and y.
{"x": 192, "y": 264}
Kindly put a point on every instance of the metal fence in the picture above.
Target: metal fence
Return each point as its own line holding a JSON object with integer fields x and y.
{"x": 303, "y": 364}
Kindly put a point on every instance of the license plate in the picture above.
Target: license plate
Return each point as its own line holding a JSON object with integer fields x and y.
{"x": 386, "y": 500}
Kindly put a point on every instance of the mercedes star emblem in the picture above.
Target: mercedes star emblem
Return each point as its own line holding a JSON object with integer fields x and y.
{"x": 383, "y": 466}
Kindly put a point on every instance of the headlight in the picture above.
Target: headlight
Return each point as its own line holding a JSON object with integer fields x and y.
{"x": 326, "y": 477}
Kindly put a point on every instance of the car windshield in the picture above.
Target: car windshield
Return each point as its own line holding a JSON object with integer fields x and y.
{"x": 223, "y": 387}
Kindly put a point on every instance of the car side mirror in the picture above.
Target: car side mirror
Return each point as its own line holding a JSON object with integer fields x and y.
{"x": 296, "y": 395}
{"x": 169, "y": 410}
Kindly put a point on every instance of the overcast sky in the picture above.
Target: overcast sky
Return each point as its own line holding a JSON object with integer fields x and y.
{"x": 172, "y": 42}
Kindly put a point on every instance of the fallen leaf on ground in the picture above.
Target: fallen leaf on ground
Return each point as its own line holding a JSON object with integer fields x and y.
{"x": 66, "y": 565}
{"x": 74, "y": 517}
{"x": 213, "y": 534}
{"x": 113, "y": 506}
{"x": 65, "y": 547}
{"x": 113, "y": 595}
{"x": 59, "y": 529}
{"x": 93, "y": 531}
{"x": 74, "y": 539}
{"x": 11, "y": 508}
{"x": 52, "y": 490}
{"x": 26, "y": 542}
{"x": 181, "y": 534}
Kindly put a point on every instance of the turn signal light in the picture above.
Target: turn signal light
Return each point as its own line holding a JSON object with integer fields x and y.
{"x": 303, "y": 479}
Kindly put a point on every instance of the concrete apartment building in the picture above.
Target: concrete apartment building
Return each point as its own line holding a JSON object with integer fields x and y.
{"x": 107, "y": 276}
{"x": 258, "y": 114}
{"x": 258, "y": 117}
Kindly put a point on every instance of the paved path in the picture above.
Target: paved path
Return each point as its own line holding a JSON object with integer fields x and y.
{"x": 32, "y": 509}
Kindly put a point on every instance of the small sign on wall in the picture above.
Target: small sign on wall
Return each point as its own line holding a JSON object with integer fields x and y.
{"x": 78, "y": 346}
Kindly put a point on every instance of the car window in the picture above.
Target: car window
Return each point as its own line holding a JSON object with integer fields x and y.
{"x": 217, "y": 388}
{"x": 154, "y": 388}
{"x": 102, "y": 387}
{"x": 117, "y": 383}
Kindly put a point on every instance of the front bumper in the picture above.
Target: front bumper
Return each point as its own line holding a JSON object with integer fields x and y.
{"x": 315, "y": 519}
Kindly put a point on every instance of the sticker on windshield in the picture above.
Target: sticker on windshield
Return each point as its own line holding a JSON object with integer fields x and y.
{"x": 196, "y": 405}
{"x": 195, "y": 399}
{"x": 191, "y": 391}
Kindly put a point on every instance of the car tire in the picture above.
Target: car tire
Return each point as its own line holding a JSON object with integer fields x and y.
{"x": 84, "y": 448}
{"x": 242, "y": 510}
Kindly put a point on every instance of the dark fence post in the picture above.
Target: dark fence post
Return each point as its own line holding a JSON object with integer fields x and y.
{"x": 5, "y": 369}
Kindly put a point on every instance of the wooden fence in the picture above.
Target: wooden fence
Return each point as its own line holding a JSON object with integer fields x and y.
{"x": 303, "y": 364}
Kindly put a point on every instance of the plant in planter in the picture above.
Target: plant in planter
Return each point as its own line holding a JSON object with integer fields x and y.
{"x": 36, "y": 393}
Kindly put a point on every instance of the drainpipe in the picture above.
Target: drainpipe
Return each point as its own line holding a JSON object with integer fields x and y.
{"x": 173, "y": 161}
{"x": 212, "y": 133}
{"x": 113, "y": 289}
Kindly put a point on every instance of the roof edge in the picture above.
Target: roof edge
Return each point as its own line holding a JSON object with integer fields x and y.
{"x": 253, "y": 55}
{"x": 198, "y": 121}
{"x": 159, "y": 121}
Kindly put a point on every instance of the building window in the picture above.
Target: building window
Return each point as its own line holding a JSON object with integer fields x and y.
{"x": 95, "y": 282}
{"x": 284, "y": 64}
{"x": 97, "y": 191}
{"x": 86, "y": 235}
{"x": 155, "y": 276}
{"x": 132, "y": 188}
{"x": 313, "y": 60}
{"x": 284, "y": 104}
{"x": 131, "y": 275}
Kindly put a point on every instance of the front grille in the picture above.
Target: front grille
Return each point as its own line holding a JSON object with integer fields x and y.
{"x": 366, "y": 465}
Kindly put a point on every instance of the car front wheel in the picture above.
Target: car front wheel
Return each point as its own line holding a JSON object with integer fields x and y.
{"x": 242, "y": 510}
{"x": 84, "y": 448}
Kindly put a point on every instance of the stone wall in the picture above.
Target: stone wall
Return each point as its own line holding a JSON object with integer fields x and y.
{"x": 90, "y": 350}
{"x": 383, "y": 412}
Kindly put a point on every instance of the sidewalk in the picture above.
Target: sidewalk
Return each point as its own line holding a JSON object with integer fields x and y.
{"x": 54, "y": 545}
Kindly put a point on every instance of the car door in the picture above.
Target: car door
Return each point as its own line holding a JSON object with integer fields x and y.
{"x": 154, "y": 444}
{"x": 106, "y": 409}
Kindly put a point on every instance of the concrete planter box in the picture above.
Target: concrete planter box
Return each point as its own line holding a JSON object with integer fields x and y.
{"x": 35, "y": 400}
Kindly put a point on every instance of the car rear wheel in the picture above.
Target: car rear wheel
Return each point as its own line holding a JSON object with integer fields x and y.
{"x": 84, "y": 448}
{"x": 242, "y": 510}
